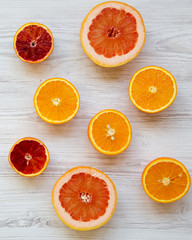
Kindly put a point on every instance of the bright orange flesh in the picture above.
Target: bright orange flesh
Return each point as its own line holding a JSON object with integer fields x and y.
{"x": 152, "y": 89}
{"x": 33, "y": 42}
{"x": 56, "y": 101}
{"x": 113, "y": 32}
{"x": 166, "y": 180}
{"x": 84, "y": 197}
{"x": 29, "y": 157}
{"x": 110, "y": 132}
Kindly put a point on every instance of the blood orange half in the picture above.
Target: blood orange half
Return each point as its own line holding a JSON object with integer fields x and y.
{"x": 84, "y": 198}
{"x": 29, "y": 157}
{"x": 112, "y": 34}
{"x": 33, "y": 42}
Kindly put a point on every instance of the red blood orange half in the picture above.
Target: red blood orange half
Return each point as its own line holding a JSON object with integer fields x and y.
{"x": 84, "y": 198}
{"x": 112, "y": 34}
{"x": 33, "y": 42}
{"x": 29, "y": 157}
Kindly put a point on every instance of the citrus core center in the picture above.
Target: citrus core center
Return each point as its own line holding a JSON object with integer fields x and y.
{"x": 85, "y": 197}
{"x": 33, "y": 43}
{"x": 112, "y": 32}
{"x": 152, "y": 89}
{"x": 28, "y": 156}
{"x": 166, "y": 181}
{"x": 56, "y": 101}
{"x": 110, "y": 132}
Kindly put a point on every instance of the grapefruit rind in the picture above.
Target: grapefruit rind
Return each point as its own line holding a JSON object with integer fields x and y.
{"x": 55, "y": 121}
{"x": 117, "y": 60}
{"x": 93, "y": 141}
{"x": 65, "y": 216}
{"x": 163, "y": 107}
{"x": 46, "y": 152}
{"x": 165, "y": 159}
{"x": 40, "y": 25}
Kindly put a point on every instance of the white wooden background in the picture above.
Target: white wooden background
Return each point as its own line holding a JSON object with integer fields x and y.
{"x": 26, "y": 211}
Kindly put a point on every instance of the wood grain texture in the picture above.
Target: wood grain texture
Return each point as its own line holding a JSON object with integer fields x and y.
{"x": 26, "y": 211}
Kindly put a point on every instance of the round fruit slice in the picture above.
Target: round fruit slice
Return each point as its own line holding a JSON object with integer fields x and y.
{"x": 110, "y": 132}
{"x": 33, "y": 42}
{"x": 29, "y": 157}
{"x": 112, "y": 34}
{"x": 56, "y": 101}
{"x": 84, "y": 198}
{"x": 152, "y": 89}
{"x": 166, "y": 180}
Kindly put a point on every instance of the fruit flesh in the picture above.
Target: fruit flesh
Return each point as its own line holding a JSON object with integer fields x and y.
{"x": 166, "y": 180}
{"x": 28, "y": 157}
{"x": 84, "y": 197}
{"x": 56, "y": 100}
{"x": 113, "y": 32}
{"x": 110, "y": 132}
{"x": 33, "y": 43}
{"x": 152, "y": 89}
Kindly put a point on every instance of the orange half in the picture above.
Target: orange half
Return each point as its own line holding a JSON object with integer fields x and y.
{"x": 33, "y": 42}
{"x": 166, "y": 180}
{"x": 84, "y": 198}
{"x": 152, "y": 89}
{"x": 56, "y": 101}
{"x": 29, "y": 157}
{"x": 110, "y": 132}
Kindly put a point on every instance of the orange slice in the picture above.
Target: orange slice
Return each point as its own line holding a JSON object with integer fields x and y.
{"x": 84, "y": 198}
{"x": 56, "y": 101}
{"x": 29, "y": 157}
{"x": 110, "y": 132}
{"x": 152, "y": 89}
{"x": 166, "y": 180}
{"x": 33, "y": 42}
{"x": 112, "y": 34}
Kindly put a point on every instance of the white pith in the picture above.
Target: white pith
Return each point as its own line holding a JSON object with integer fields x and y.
{"x": 117, "y": 60}
{"x": 66, "y": 217}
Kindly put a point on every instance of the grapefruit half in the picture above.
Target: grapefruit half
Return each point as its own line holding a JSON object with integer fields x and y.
{"x": 84, "y": 198}
{"x": 112, "y": 34}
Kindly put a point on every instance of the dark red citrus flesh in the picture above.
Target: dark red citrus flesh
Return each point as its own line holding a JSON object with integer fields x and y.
{"x": 113, "y": 32}
{"x": 84, "y": 197}
{"x": 33, "y": 43}
{"x": 28, "y": 157}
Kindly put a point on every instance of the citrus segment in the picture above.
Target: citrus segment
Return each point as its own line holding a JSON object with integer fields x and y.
{"x": 29, "y": 157}
{"x": 110, "y": 132}
{"x": 112, "y": 34}
{"x": 33, "y": 42}
{"x": 84, "y": 198}
{"x": 166, "y": 180}
{"x": 152, "y": 89}
{"x": 56, "y": 101}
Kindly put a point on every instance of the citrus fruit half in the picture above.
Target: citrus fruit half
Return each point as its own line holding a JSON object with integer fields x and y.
{"x": 110, "y": 132}
{"x": 84, "y": 198}
{"x": 33, "y": 42}
{"x": 56, "y": 101}
{"x": 166, "y": 180}
{"x": 29, "y": 157}
{"x": 112, "y": 34}
{"x": 152, "y": 89}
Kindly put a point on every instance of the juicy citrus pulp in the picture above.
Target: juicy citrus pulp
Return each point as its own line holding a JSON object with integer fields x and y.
{"x": 29, "y": 157}
{"x": 166, "y": 180}
{"x": 110, "y": 132}
{"x": 33, "y": 42}
{"x": 84, "y": 198}
{"x": 152, "y": 89}
{"x": 56, "y": 101}
{"x": 112, "y": 34}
